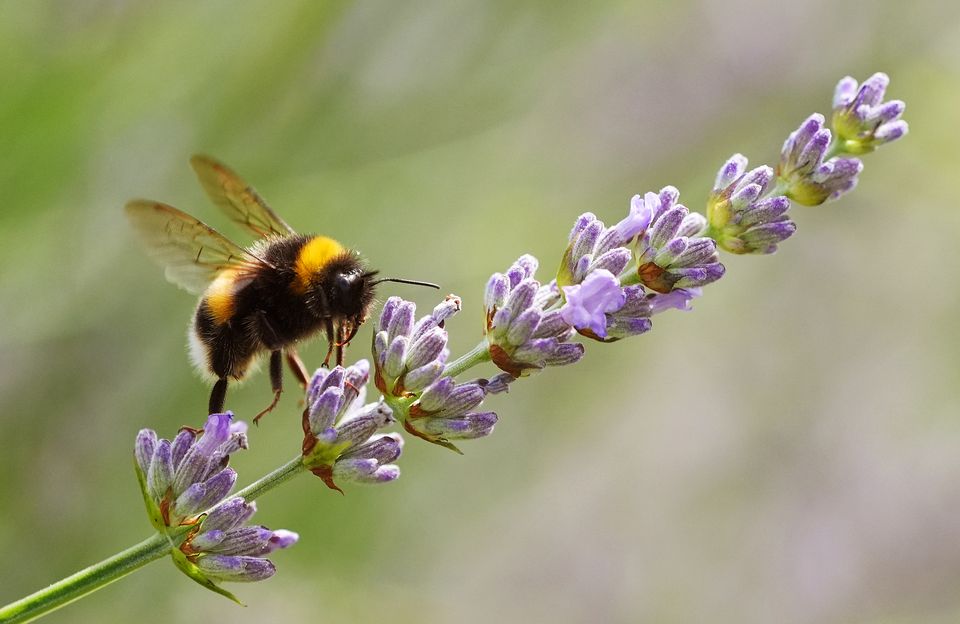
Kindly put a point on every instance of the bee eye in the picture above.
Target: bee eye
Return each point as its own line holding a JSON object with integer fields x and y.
{"x": 343, "y": 283}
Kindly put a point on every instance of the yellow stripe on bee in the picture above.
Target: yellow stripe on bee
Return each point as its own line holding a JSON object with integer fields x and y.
{"x": 312, "y": 257}
{"x": 221, "y": 298}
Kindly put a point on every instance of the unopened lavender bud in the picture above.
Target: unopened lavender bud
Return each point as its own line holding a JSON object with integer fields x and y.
{"x": 393, "y": 364}
{"x": 180, "y": 445}
{"x": 426, "y": 348}
{"x": 386, "y": 314}
{"x": 565, "y": 353}
{"x": 497, "y": 289}
{"x": 737, "y": 207}
{"x": 447, "y": 308}
{"x": 324, "y": 410}
{"x": 358, "y": 428}
{"x": 466, "y": 427}
{"x": 419, "y": 378}
{"x": 402, "y": 322}
{"x": 160, "y": 472}
{"x": 365, "y": 471}
{"x": 229, "y": 514}
{"x": 144, "y": 448}
{"x": 253, "y": 541}
{"x": 208, "y": 539}
{"x": 384, "y": 448}
{"x": 498, "y": 383}
{"x": 201, "y": 496}
{"x": 235, "y": 568}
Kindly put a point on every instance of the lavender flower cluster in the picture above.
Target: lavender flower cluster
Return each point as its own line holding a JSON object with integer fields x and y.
{"x": 181, "y": 480}
{"x": 611, "y": 282}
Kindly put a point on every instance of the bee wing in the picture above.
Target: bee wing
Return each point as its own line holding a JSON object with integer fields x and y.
{"x": 238, "y": 199}
{"x": 191, "y": 252}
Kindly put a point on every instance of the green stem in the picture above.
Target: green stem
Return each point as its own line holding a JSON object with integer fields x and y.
{"x": 85, "y": 581}
{"x": 477, "y": 355}
{"x": 836, "y": 148}
{"x": 280, "y": 475}
{"x": 113, "y": 568}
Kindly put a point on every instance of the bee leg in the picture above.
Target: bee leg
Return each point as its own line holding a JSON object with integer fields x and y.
{"x": 297, "y": 367}
{"x": 276, "y": 382}
{"x": 339, "y": 345}
{"x": 217, "y": 396}
{"x": 330, "y": 342}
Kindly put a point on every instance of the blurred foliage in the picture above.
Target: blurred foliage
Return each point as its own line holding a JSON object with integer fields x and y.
{"x": 786, "y": 452}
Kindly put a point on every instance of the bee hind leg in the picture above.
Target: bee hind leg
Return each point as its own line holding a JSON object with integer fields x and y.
{"x": 276, "y": 383}
{"x": 297, "y": 367}
{"x": 217, "y": 396}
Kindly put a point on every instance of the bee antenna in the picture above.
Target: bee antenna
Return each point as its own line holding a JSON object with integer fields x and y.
{"x": 400, "y": 280}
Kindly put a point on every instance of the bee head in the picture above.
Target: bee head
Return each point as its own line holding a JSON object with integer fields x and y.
{"x": 343, "y": 288}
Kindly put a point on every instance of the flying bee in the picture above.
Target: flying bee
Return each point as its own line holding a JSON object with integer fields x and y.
{"x": 284, "y": 288}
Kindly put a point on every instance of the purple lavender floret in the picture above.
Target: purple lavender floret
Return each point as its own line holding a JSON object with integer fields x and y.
{"x": 524, "y": 328}
{"x": 671, "y": 253}
{"x": 224, "y": 549}
{"x": 408, "y": 355}
{"x": 809, "y": 180}
{"x": 743, "y": 219}
{"x": 340, "y": 431}
{"x": 587, "y": 304}
{"x": 182, "y": 478}
{"x": 861, "y": 119}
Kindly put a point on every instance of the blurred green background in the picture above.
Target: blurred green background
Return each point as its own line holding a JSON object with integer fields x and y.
{"x": 787, "y": 452}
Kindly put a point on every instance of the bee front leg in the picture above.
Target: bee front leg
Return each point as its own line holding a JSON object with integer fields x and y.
{"x": 330, "y": 342}
{"x": 217, "y": 396}
{"x": 276, "y": 383}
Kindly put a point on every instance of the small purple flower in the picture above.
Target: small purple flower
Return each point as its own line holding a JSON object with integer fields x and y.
{"x": 409, "y": 356}
{"x": 524, "y": 329}
{"x": 810, "y": 180}
{"x": 340, "y": 440}
{"x": 445, "y": 412}
{"x": 861, "y": 119}
{"x": 588, "y": 303}
{"x": 742, "y": 218}
{"x": 671, "y": 253}
{"x": 182, "y": 478}
{"x": 222, "y": 548}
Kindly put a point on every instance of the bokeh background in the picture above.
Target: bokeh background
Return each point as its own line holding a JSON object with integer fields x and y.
{"x": 787, "y": 452}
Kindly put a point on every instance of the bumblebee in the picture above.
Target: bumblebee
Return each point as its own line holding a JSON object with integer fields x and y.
{"x": 265, "y": 298}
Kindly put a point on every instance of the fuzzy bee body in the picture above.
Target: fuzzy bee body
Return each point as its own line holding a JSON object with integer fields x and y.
{"x": 242, "y": 315}
{"x": 285, "y": 288}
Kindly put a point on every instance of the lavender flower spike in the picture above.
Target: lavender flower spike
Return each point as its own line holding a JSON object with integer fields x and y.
{"x": 808, "y": 179}
{"x": 410, "y": 356}
{"x": 861, "y": 119}
{"x": 671, "y": 253}
{"x": 742, "y": 218}
{"x": 182, "y": 478}
{"x": 339, "y": 429}
{"x": 222, "y": 548}
{"x": 524, "y": 330}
